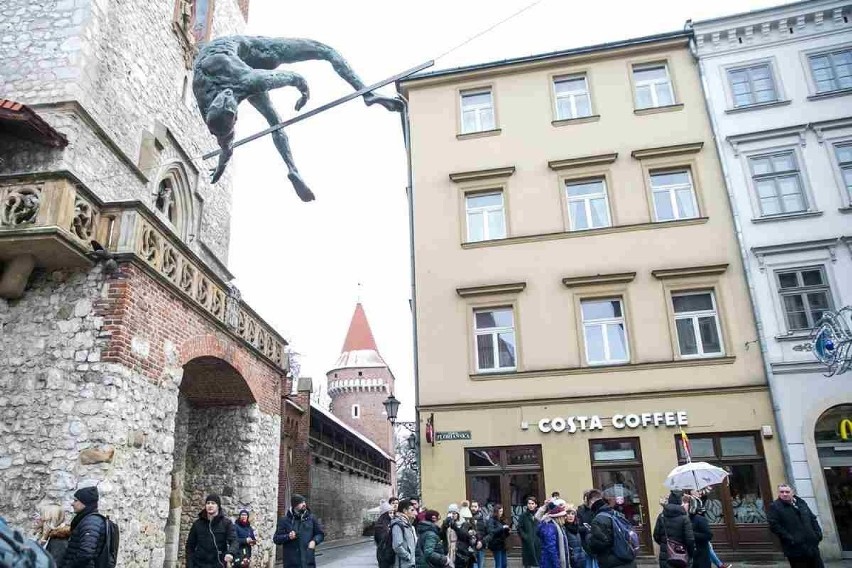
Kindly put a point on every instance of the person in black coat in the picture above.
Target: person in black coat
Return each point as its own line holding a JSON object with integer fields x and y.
{"x": 495, "y": 539}
{"x": 600, "y": 541}
{"x": 703, "y": 534}
{"x": 673, "y": 523}
{"x": 300, "y": 533}
{"x": 88, "y": 531}
{"x": 212, "y": 540}
{"x": 794, "y": 523}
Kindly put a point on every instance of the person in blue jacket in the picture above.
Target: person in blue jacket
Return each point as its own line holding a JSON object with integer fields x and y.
{"x": 246, "y": 538}
{"x": 299, "y": 533}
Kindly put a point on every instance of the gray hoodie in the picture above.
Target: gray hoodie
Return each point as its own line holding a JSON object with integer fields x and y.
{"x": 404, "y": 541}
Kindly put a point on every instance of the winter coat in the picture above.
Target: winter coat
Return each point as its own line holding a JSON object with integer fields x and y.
{"x": 57, "y": 543}
{"x": 404, "y": 541}
{"x": 307, "y": 528}
{"x": 673, "y": 523}
{"x": 585, "y": 515}
{"x": 430, "y": 551}
{"x": 479, "y": 523}
{"x": 530, "y": 543}
{"x": 549, "y": 533}
{"x": 600, "y": 539}
{"x": 382, "y": 527}
{"x": 88, "y": 530}
{"x": 209, "y": 541}
{"x": 244, "y": 532}
{"x": 703, "y": 536}
{"x": 797, "y": 527}
{"x": 574, "y": 534}
{"x": 457, "y": 542}
{"x": 495, "y": 534}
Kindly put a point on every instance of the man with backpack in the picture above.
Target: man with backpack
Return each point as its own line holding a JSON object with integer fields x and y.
{"x": 612, "y": 540}
{"x": 398, "y": 548}
{"x": 88, "y": 531}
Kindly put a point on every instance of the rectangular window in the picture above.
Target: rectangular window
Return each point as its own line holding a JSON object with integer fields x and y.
{"x": 778, "y": 183}
{"x": 605, "y": 332}
{"x": 844, "y": 160}
{"x": 805, "y": 296}
{"x": 697, "y": 324}
{"x": 653, "y": 86}
{"x": 832, "y": 71}
{"x": 587, "y": 204}
{"x": 572, "y": 97}
{"x": 477, "y": 111}
{"x": 752, "y": 85}
{"x": 674, "y": 196}
{"x": 495, "y": 340}
{"x": 485, "y": 216}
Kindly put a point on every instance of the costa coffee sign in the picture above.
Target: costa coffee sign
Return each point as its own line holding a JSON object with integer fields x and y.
{"x": 572, "y": 424}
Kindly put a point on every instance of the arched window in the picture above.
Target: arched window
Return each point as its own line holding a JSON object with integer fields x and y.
{"x": 173, "y": 200}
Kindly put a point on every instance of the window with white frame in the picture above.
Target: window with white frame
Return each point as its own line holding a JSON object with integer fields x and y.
{"x": 653, "y": 86}
{"x": 572, "y": 97}
{"x": 697, "y": 324}
{"x": 356, "y": 411}
{"x": 604, "y": 331}
{"x": 587, "y": 204}
{"x": 486, "y": 218}
{"x": 674, "y": 195}
{"x": 778, "y": 183}
{"x": 805, "y": 296}
{"x": 832, "y": 71}
{"x": 494, "y": 329}
{"x": 477, "y": 111}
{"x": 844, "y": 161}
{"x": 752, "y": 85}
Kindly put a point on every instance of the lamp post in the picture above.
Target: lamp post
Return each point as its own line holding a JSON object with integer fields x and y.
{"x": 391, "y": 405}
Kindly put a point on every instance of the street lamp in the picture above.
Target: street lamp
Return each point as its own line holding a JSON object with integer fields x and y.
{"x": 391, "y": 405}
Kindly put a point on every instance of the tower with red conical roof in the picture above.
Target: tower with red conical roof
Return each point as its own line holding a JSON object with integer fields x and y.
{"x": 359, "y": 383}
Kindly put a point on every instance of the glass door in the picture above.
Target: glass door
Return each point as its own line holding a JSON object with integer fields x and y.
{"x": 617, "y": 471}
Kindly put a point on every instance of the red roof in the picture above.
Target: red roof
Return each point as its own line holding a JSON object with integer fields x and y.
{"x": 360, "y": 336}
{"x": 21, "y": 121}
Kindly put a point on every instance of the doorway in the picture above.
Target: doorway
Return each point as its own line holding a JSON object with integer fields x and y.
{"x": 833, "y": 436}
{"x": 617, "y": 471}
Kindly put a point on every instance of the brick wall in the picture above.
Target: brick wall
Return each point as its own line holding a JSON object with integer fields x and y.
{"x": 150, "y": 328}
{"x": 295, "y": 465}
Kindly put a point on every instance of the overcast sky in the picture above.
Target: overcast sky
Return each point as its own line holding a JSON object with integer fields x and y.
{"x": 299, "y": 264}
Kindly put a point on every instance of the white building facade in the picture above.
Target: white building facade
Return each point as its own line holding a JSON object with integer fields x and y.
{"x": 778, "y": 84}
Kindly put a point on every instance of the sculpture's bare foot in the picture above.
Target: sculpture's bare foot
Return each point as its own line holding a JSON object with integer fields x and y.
{"x": 392, "y": 104}
{"x": 216, "y": 173}
{"x": 301, "y": 188}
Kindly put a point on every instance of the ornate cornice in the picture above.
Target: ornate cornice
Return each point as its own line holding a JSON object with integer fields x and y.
{"x": 615, "y": 278}
{"x": 582, "y": 161}
{"x": 690, "y": 271}
{"x": 476, "y": 175}
{"x": 491, "y": 289}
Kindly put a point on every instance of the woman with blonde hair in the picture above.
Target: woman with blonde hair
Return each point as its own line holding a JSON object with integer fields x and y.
{"x": 51, "y": 531}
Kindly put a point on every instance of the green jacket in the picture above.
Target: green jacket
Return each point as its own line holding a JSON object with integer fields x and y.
{"x": 430, "y": 551}
{"x": 530, "y": 543}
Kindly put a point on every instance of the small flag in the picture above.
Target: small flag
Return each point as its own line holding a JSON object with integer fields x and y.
{"x": 687, "y": 450}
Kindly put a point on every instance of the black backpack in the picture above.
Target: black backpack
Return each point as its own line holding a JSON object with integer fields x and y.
{"x": 384, "y": 552}
{"x": 108, "y": 555}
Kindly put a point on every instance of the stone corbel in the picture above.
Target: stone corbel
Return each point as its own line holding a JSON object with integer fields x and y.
{"x": 820, "y": 128}
{"x": 761, "y": 261}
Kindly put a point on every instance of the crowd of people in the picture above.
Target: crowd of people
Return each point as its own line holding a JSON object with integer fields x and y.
{"x": 556, "y": 534}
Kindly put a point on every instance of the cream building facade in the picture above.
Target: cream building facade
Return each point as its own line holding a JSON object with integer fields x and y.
{"x": 579, "y": 290}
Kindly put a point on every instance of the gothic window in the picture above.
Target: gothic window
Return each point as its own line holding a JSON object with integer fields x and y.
{"x": 194, "y": 18}
{"x": 173, "y": 201}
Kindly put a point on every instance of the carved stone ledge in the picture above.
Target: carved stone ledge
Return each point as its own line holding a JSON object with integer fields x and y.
{"x": 582, "y": 161}
{"x": 491, "y": 289}
{"x": 596, "y": 279}
{"x": 665, "y": 151}
{"x": 690, "y": 271}
{"x": 493, "y": 173}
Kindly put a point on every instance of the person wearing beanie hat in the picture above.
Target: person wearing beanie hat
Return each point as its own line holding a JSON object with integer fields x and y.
{"x": 203, "y": 551}
{"x": 464, "y": 511}
{"x": 381, "y": 528}
{"x": 299, "y": 533}
{"x": 673, "y": 524}
{"x": 246, "y": 538}
{"x": 555, "y": 551}
{"x": 88, "y": 530}
{"x": 528, "y": 531}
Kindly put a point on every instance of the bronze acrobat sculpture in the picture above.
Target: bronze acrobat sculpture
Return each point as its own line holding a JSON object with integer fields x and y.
{"x": 229, "y": 70}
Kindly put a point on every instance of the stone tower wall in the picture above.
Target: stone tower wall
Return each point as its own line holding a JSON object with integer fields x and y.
{"x": 372, "y": 421}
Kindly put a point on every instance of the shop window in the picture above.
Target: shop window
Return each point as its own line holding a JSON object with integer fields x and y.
{"x": 833, "y": 435}
{"x": 505, "y": 475}
{"x": 741, "y": 503}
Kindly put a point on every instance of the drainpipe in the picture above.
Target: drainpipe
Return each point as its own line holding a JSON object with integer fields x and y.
{"x": 409, "y": 190}
{"x": 767, "y": 366}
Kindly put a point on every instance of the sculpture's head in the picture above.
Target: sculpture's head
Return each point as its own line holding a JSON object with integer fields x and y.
{"x": 222, "y": 114}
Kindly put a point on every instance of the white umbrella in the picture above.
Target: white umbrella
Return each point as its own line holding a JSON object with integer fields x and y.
{"x": 695, "y": 475}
